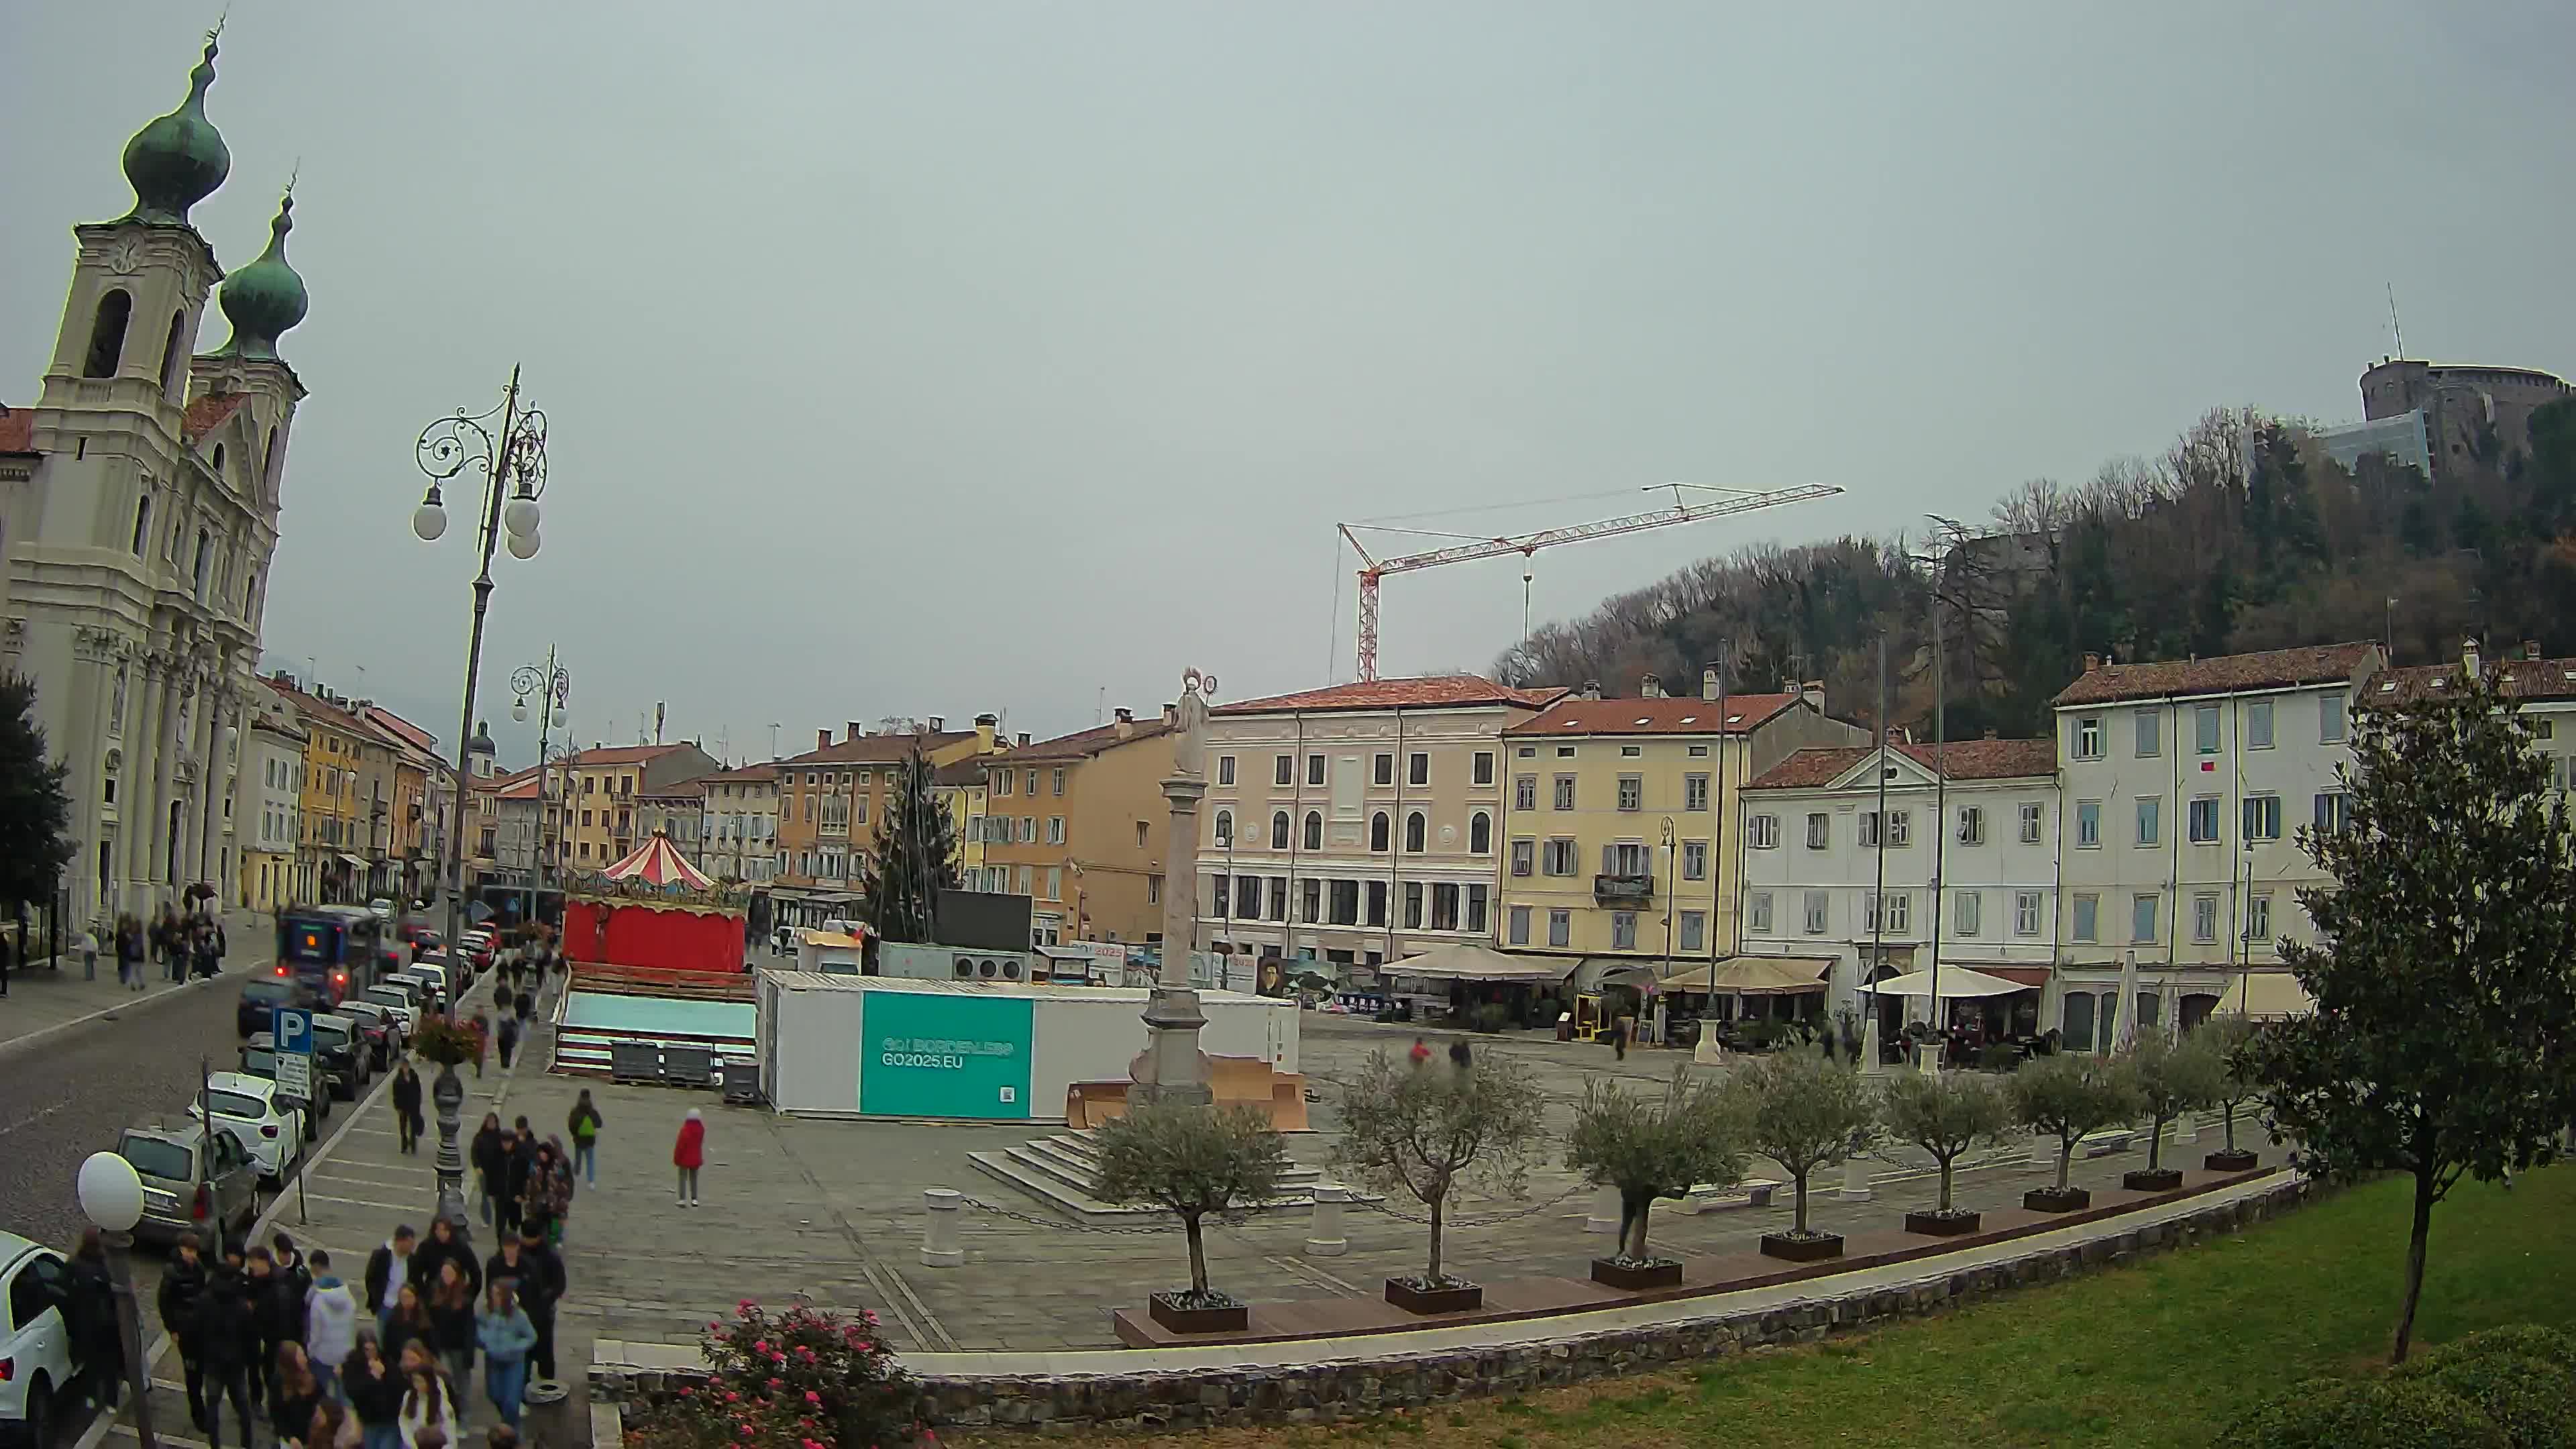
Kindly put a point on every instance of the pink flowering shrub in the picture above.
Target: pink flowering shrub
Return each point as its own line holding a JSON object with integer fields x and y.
{"x": 798, "y": 1379}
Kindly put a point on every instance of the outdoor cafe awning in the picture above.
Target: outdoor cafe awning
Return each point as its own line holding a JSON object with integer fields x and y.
{"x": 1467, "y": 961}
{"x": 1956, "y": 981}
{"x": 357, "y": 862}
{"x": 1754, "y": 976}
{"x": 2265, "y": 994}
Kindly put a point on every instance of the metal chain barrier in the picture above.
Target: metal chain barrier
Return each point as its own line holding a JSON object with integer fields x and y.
{"x": 1060, "y": 1224}
{"x": 1424, "y": 1219}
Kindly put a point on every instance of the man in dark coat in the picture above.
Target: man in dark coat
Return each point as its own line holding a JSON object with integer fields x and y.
{"x": 407, "y": 1121}
{"x": 183, "y": 1288}
{"x": 227, "y": 1335}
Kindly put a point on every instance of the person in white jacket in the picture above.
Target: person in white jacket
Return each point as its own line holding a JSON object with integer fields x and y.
{"x": 427, "y": 1406}
{"x": 330, "y": 1321}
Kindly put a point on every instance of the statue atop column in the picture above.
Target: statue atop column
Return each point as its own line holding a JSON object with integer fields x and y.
{"x": 1189, "y": 732}
{"x": 1171, "y": 1070}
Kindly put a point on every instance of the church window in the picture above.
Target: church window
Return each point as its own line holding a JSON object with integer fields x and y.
{"x": 107, "y": 334}
{"x": 205, "y": 555}
{"x": 219, "y": 461}
{"x": 142, "y": 522}
{"x": 171, "y": 351}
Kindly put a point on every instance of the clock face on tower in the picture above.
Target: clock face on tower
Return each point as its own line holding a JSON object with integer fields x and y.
{"x": 125, "y": 257}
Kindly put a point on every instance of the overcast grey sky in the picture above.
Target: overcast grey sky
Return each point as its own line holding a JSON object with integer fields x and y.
{"x": 937, "y": 357}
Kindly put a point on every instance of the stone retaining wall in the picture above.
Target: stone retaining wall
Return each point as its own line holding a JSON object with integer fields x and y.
{"x": 1348, "y": 1387}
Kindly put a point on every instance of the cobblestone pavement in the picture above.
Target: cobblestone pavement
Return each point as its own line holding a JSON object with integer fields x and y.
{"x": 833, "y": 1210}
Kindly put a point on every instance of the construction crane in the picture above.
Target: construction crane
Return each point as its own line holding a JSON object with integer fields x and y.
{"x": 1470, "y": 546}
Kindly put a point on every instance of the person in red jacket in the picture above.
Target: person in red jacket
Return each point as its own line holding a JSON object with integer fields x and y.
{"x": 689, "y": 1154}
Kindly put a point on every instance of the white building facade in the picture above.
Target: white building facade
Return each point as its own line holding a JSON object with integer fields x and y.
{"x": 1309, "y": 845}
{"x": 137, "y": 545}
{"x": 1963, "y": 862}
{"x": 2185, "y": 786}
{"x": 269, "y": 814}
{"x": 740, "y": 828}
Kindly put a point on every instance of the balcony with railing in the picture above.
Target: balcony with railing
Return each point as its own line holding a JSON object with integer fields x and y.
{"x": 1623, "y": 890}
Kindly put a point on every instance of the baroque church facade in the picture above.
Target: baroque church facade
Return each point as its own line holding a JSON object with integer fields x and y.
{"x": 138, "y": 516}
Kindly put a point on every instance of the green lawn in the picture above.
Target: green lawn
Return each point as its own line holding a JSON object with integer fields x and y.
{"x": 2160, "y": 1353}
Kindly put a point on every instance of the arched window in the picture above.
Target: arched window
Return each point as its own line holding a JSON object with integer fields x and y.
{"x": 107, "y": 334}
{"x": 1480, "y": 833}
{"x": 219, "y": 461}
{"x": 268, "y": 463}
{"x": 142, "y": 522}
{"x": 1378, "y": 831}
{"x": 205, "y": 556}
{"x": 1314, "y": 830}
{"x": 1414, "y": 828}
{"x": 172, "y": 351}
{"x": 1279, "y": 830}
{"x": 1225, "y": 827}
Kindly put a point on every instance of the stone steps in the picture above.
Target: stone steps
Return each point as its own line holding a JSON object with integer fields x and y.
{"x": 1063, "y": 1172}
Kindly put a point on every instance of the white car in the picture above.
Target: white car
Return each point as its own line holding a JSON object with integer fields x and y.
{"x": 398, "y": 1004}
{"x": 383, "y": 908}
{"x": 37, "y": 1370}
{"x": 247, "y": 1109}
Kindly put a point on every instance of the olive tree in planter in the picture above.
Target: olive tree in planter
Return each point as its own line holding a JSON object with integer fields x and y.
{"x": 1195, "y": 1163}
{"x": 1947, "y": 1115}
{"x": 2227, "y": 1037}
{"x": 2066, "y": 1097}
{"x": 1424, "y": 1132}
{"x": 2171, "y": 1078}
{"x": 1807, "y": 1115}
{"x": 1649, "y": 1148}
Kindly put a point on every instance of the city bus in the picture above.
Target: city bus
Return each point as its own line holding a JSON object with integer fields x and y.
{"x": 332, "y": 952}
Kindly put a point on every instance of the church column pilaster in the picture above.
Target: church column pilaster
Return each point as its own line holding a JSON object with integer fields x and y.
{"x": 166, "y": 745}
{"x": 135, "y": 803}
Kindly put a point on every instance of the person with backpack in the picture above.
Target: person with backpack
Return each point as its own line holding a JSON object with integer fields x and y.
{"x": 584, "y": 1124}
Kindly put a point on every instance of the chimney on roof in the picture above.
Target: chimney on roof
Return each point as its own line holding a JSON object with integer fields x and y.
{"x": 1171, "y": 714}
{"x": 987, "y": 726}
{"x": 1125, "y": 724}
{"x": 939, "y": 724}
{"x": 1023, "y": 739}
{"x": 1650, "y": 686}
{"x": 1591, "y": 690}
{"x": 855, "y": 731}
{"x": 2092, "y": 661}
{"x": 2530, "y": 648}
{"x": 823, "y": 739}
{"x": 2469, "y": 657}
{"x": 1990, "y": 732}
{"x": 1813, "y": 692}
{"x": 1709, "y": 687}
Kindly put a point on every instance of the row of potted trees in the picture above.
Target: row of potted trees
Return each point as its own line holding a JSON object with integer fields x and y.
{"x": 1423, "y": 1132}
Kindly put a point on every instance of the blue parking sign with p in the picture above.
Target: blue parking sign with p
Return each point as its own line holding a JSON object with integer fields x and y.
{"x": 294, "y": 1032}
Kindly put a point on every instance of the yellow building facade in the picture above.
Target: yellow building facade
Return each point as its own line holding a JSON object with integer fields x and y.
{"x": 330, "y": 859}
{"x": 1078, "y": 824}
{"x": 1617, "y": 819}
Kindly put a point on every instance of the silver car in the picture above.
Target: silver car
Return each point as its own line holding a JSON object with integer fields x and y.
{"x": 192, "y": 1183}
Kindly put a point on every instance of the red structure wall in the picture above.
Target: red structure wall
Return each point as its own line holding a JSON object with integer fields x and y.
{"x": 652, "y": 938}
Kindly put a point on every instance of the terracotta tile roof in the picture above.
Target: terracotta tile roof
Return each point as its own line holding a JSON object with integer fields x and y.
{"x": 208, "y": 413}
{"x": 1081, "y": 744}
{"x": 877, "y": 749}
{"x": 2517, "y": 678}
{"x": 2227, "y": 674}
{"x": 763, "y": 773}
{"x": 621, "y": 754}
{"x": 1669, "y": 716}
{"x": 17, "y": 430}
{"x": 1426, "y": 692}
{"x": 314, "y": 707}
{"x": 1962, "y": 759}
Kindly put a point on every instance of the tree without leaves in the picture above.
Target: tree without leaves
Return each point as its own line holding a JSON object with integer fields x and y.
{"x": 915, "y": 856}
{"x": 35, "y": 812}
{"x": 2172, "y": 1078}
{"x": 2443, "y": 1042}
{"x": 1195, "y": 1162}
{"x": 1649, "y": 1148}
{"x": 2069, "y": 1095}
{"x": 1427, "y": 1130}
{"x": 1806, "y": 1114}
{"x": 1947, "y": 1115}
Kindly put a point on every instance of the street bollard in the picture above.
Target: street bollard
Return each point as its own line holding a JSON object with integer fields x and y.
{"x": 940, "y": 1245}
{"x": 2187, "y": 1127}
{"x": 1605, "y": 1213}
{"x": 1324, "y": 1237}
{"x": 1855, "y": 1180}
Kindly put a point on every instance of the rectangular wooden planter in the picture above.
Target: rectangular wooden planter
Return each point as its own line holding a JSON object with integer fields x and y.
{"x": 1942, "y": 1225}
{"x": 2050, "y": 1200}
{"x": 1459, "y": 1298}
{"x": 1802, "y": 1250}
{"x": 2223, "y": 1161}
{"x": 1233, "y": 1318}
{"x": 1636, "y": 1277}
{"x": 2152, "y": 1179}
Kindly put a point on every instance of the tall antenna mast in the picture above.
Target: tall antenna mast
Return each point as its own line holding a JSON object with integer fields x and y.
{"x": 2394, "y": 326}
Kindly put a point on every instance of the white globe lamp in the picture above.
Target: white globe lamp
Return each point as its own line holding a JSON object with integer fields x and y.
{"x": 429, "y": 520}
{"x": 520, "y": 515}
{"x": 523, "y": 545}
{"x": 111, "y": 1195}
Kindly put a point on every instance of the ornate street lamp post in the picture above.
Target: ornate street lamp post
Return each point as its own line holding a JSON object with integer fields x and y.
{"x": 111, "y": 1196}
{"x": 553, "y": 687}
{"x": 513, "y": 463}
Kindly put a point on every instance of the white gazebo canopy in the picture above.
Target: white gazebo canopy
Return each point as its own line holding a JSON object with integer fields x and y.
{"x": 1956, "y": 982}
{"x": 1468, "y": 961}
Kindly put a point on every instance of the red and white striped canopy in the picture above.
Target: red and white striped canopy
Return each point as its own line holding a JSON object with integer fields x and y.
{"x": 657, "y": 863}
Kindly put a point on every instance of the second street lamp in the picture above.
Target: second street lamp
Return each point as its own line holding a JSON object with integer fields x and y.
{"x": 552, "y": 685}
{"x": 508, "y": 444}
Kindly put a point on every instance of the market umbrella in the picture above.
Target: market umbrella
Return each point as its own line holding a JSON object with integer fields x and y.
{"x": 2125, "y": 1024}
{"x": 1956, "y": 982}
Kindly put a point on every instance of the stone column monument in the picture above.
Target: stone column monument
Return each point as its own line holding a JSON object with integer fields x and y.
{"x": 1171, "y": 1069}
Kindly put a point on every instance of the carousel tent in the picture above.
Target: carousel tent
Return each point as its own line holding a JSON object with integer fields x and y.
{"x": 1467, "y": 961}
{"x": 1956, "y": 982}
{"x": 658, "y": 863}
